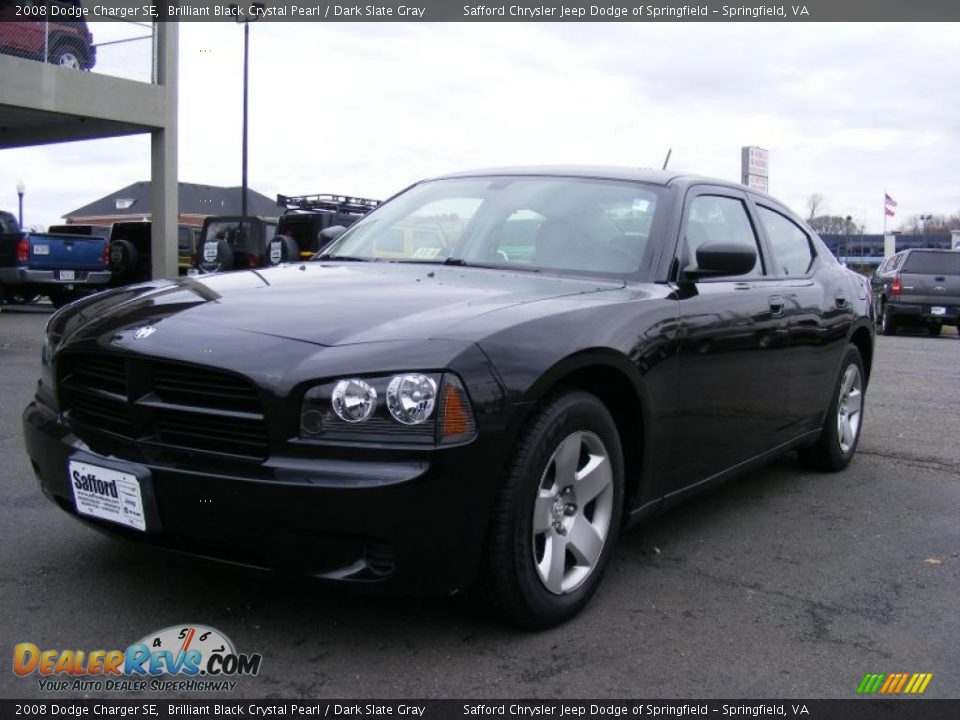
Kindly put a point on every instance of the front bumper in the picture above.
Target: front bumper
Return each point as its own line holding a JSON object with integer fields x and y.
{"x": 409, "y": 522}
{"x": 923, "y": 313}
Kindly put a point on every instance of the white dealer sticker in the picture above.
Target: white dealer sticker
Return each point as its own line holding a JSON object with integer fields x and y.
{"x": 107, "y": 494}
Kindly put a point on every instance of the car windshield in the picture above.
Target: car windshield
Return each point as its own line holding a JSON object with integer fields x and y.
{"x": 522, "y": 222}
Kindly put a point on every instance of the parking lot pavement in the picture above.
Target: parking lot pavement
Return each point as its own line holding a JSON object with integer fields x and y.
{"x": 784, "y": 583}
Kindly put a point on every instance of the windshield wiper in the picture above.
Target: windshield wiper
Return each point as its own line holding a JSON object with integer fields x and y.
{"x": 455, "y": 261}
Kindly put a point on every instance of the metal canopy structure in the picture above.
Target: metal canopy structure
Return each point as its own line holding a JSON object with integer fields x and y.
{"x": 41, "y": 103}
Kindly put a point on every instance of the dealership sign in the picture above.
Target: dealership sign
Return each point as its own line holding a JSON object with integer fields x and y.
{"x": 755, "y": 168}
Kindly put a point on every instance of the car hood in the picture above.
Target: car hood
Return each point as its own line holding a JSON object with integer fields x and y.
{"x": 333, "y": 303}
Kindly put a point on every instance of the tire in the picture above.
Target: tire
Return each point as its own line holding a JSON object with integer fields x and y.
{"x": 834, "y": 450}
{"x": 21, "y": 297}
{"x": 518, "y": 579}
{"x": 935, "y": 330}
{"x": 65, "y": 55}
{"x": 888, "y": 325}
{"x": 123, "y": 259}
{"x": 282, "y": 249}
{"x": 216, "y": 258}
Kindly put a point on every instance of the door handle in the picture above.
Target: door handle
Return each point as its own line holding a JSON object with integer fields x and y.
{"x": 841, "y": 301}
{"x": 776, "y": 305}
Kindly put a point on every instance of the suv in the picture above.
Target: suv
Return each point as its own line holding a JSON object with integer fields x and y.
{"x": 918, "y": 287}
{"x": 305, "y": 227}
{"x": 69, "y": 43}
{"x": 130, "y": 250}
{"x": 234, "y": 242}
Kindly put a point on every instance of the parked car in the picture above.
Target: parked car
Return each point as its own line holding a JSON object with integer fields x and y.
{"x": 69, "y": 44}
{"x": 131, "y": 251}
{"x": 918, "y": 288}
{"x": 311, "y": 221}
{"x": 61, "y": 266}
{"x": 235, "y": 243}
{"x": 579, "y": 350}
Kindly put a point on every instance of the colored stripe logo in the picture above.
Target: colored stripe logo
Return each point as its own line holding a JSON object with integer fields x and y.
{"x": 894, "y": 683}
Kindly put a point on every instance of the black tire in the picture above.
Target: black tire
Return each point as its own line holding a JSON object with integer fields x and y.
{"x": 888, "y": 324}
{"x": 935, "y": 330}
{"x": 827, "y": 454}
{"x": 216, "y": 259}
{"x": 65, "y": 54}
{"x": 509, "y": 581}
{"x": 282, "y": 249}
{"x": 21, "y": 297}
{"x": 123, "y": 259}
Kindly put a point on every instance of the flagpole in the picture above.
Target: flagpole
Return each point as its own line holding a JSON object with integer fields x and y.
{"x": 884, "y": 212}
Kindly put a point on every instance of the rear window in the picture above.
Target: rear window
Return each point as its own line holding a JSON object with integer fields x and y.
{"x": 933, "y": 263}
{"x": 8, "y": 224}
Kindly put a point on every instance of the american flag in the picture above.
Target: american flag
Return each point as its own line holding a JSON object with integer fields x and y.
{"x": 889, "y": 201}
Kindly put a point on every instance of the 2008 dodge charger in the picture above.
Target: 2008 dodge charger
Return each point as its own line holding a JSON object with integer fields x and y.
{"x": 481, "y": 382}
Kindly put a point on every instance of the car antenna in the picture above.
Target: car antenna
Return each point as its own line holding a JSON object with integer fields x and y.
{"x": 665, "y": 162}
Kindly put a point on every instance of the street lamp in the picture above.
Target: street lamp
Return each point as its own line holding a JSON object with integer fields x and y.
{"x": 21, "y": 189}
{"x": 241, "y": 17}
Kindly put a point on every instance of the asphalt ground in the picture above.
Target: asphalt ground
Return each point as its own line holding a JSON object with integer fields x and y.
{"x": 784, "y": 583}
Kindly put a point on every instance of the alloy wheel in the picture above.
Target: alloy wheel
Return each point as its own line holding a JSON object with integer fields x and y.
{"x": 572, "y": 512}
{"x": 849, "y": 407}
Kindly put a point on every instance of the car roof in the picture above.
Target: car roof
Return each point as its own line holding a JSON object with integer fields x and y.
{"x": 645, "y": 175}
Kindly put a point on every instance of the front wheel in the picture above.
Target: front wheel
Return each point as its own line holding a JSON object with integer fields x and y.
{"x": 557, "y": 513}
{"x": 841, "y": 428}
{"x": 935, "y": 329}
{"x": 65, "y": 56}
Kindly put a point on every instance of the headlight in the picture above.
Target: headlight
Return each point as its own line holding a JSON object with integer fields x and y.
{"x": 354, "y": 400}
{"x": 411, "y": 398}
{"x": 407, "y": 408}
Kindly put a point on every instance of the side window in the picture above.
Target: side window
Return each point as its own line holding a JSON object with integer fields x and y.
{"x": 714, "y": 218}
{"x": 792, "y": 254}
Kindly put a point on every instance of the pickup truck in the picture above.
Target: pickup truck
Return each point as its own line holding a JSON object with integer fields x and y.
{"x": 63, "y": 267}
{"x": 919, "y": 288}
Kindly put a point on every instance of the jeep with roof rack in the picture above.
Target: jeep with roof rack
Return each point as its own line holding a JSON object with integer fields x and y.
{"x": 309, "y": 222}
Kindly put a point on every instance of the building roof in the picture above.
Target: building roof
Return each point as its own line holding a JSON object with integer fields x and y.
{"x": 192, "y": 199}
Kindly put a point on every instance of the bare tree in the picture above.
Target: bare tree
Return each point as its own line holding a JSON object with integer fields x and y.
{"x": 931, "y": 224}
{"x": 816, "y": 205}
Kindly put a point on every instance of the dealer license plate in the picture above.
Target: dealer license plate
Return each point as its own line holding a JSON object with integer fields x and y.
{"x": 41, "y": 249}
{"x": 68, "y": 275}
{"x": 938, "y": 310}
{"x": 107, "y": 494}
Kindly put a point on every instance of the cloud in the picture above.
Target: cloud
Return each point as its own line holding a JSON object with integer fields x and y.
{"x": 847, "y": 110}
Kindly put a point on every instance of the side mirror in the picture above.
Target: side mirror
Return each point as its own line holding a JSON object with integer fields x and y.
{"x": 721, "y": 258}
{"x": 328, "y": 235}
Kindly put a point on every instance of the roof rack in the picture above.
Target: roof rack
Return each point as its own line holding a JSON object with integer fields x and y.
{"x": 324, "y": 201}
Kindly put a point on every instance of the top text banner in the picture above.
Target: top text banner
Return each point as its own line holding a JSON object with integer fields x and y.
{"x": 454, "y": 11}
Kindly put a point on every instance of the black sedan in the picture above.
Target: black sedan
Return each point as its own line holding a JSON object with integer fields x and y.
{"x": 480, "y": 383}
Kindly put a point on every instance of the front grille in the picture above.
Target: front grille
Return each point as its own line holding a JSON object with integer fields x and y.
{"x": 162, "y": 403}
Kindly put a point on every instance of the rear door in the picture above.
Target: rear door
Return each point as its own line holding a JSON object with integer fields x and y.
{"x": 733, "y": 352}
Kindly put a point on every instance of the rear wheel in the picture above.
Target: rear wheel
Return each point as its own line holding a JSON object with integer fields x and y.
{"x": 934, "y": 330}
{"x": 841, "y": 429}
{"x": 123, "y": 260}
{"x": 216, "y": 256}
{"x": 888, "y": 325}
{"x": 557, "y": 513}
{"x": 65, "y": 55}
{"x": 283, "y": 248}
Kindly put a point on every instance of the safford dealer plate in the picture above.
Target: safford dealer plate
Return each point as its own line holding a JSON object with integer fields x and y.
{"x": 107, "y": 494}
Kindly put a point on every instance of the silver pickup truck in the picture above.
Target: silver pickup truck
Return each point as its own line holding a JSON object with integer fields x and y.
{"x": 920, "y": 288}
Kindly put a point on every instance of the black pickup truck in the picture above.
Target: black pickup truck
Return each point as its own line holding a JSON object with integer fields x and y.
{"x": 919, "y": 288}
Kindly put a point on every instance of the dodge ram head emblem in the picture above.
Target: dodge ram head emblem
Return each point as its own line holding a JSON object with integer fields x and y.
{"x": 144, "y": 332}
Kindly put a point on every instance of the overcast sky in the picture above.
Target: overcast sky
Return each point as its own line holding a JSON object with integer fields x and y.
{"x": 846, "y": 110}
